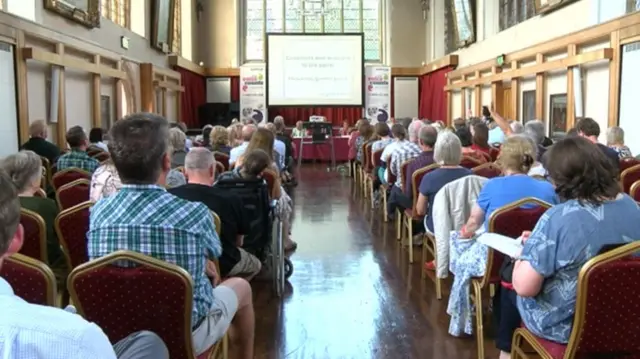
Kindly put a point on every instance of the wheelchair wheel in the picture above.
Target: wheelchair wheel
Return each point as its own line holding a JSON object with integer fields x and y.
{"x": 288, "y": 268}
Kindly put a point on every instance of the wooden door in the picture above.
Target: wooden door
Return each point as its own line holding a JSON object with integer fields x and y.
{"x": 507, "y": 111}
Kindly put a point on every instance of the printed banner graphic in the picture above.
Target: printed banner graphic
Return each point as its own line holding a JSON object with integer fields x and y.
{"x": 252, "y": 93}
{"x": 377, "y": 93}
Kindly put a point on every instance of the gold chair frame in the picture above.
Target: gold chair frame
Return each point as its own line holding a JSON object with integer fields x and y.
{"x": 41, "y": 267}
{"x": 408, "y": 221}
{"x": 63, "y": 242}
{"x": 68, "y": 186}
{"x": 42, "y": 226}
{"x": 624, "y": 173}
{"x": 399, "y": 214}
{"x": 634, "y": 188}
{"x": 491, "y": 165}
{"x": 67, "y": 170}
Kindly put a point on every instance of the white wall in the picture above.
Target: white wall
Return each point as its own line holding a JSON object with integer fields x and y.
{"x": 9, "y": 119}
{"x": 78, "y": 99}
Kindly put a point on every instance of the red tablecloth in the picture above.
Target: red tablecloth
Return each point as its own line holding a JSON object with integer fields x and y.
{"x": 322, "y": 152}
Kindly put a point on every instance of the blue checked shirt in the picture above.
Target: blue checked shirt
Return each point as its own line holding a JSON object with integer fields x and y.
{"x": 405, "y": 151}
{"x": 149, "y": 220}
{"x": 77, "y": 159}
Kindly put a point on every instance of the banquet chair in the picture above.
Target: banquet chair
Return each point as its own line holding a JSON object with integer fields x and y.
{"x": 410, "y": 214}
{"x": 40, "y": 193}
{"x": 73, "y": 193}
{"x": 628, "y": 162}
{"x": 68, "y": 175}
{"x": 606, "y": 321}
{"x": 94, "y": 151}
{"x": 219, "y": 168}
{"x": 470, "y": 162}
{"x": 634, "y": 192}
{"x": 385, "y": 190}
{"x": 373, "y": 174}
{"x": 47, "y": 166}
{"x": 487, "y": 170}
{"x": 72, "y": 225}
{"x": 44, "y": 181}
{"x": 222, "y": 158}
{"x": 403, "y": 173}
{"x": 101, "y": 156}
{"x": 367, "y": 167}
{"x": 35, "y": 235}
{"x": 510, "y": 220}
{"x": 628, "y": 177}
{"x": 119, "y": 291}
{"x": 30, "y": 279}
{"x": 270, "y": 176}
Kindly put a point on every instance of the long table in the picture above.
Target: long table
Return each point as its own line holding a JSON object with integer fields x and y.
{"x": 322, "y": 152}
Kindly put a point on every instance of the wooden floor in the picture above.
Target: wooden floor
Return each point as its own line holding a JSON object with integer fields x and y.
{"x": 353, "y": 293}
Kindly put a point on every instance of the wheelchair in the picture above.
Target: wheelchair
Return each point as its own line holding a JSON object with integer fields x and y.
{"x": 265, "y": 239}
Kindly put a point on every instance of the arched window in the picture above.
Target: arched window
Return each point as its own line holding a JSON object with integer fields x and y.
{"x": 118, "y": 11}
{"x": 312, "y": 16}
{"x": 176, "y": 44}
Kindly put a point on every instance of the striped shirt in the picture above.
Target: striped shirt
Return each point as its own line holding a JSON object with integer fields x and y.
{"x": 149, "y": 220}
{"x": 405, "y": 151}
{"x": 77, "y": 159}
{"x": 380, "y": 144}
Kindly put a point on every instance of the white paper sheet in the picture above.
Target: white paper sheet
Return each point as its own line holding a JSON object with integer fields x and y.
{"x": 503, "y": 244}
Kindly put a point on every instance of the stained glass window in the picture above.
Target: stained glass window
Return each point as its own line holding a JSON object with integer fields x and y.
{"x": 312, "y": 16}
{"x": 118, "y": 11}
{"x": 176, "y": 44}
{"x": 513, "y": 12}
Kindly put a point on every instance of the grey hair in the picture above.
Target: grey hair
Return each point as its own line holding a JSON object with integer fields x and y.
{"x": 448, "y": 149}
{"x": 535, "y": 130}
{"x": 278, "y": 119}
{"x": 199, "y": 159}
{"x": 414, "y": 130}
{"x": 139, "y": 143}
{"x": 532, "y": 141}
{"x": 177, "y": 139}
{"x": 24, "y": 168}
{"x": 9, "y": 211}
{"x": 516, "y": 127}
{"x": 615, "y": 136}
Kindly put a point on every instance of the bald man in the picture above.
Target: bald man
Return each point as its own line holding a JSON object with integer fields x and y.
{"x": 247, "y": 133}
{"x": 38, "y": 142}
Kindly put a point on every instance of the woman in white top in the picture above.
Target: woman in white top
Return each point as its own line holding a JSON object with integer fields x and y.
{"x": 95, "y": 137}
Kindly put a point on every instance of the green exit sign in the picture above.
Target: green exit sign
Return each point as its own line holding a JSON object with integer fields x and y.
{"x": 500, "y": 60}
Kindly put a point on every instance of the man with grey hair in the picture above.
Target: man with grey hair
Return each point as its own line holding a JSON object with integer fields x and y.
{"x": 414, "y": 130}
{"x": 200, "y": 170}
{"x": 516, "y": 127}
{"x": 534, "y": 129}
{"x": 143, "y": 217}
{"x": 237, "y": 152}
{"x": 77, "y": 157}
{"x": 38, "y": 142}
{"x": 42, "y": 329}
{"x": 403, "y": 151}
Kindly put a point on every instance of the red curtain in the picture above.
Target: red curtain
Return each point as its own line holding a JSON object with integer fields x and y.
{"x": 235, "y": 88}
{"x": 335, "y": 115}
{"x": 433, "y": 99}
{"x": 194, "y": 96}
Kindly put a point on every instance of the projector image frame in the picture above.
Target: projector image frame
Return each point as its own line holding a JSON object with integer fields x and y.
{"x": 298, "y": 34}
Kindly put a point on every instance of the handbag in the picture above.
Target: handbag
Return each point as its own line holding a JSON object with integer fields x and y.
{"x": 506, "y": 270}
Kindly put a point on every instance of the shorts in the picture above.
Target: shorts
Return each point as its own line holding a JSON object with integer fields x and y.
{"x": 217, "y": 322}
{"x": 247, "y": 266}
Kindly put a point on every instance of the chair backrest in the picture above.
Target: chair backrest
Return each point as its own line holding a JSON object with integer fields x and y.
{"x": 606, "y": 317}
{"x": 217, "y": 222}
{"x": 47, "y": 166}
{"x": 403, "y": 170}
{"x": 40, "y": 193}
{"x": 634, "y": 192}
{"x": 366, "y": 153}
{"x": 487, "y": 170}
{"x": 101, "y": 156}
{"x": 30, "y": 279}
{"x": 44, "y": 181}
{"x": 35, "y": 235}
{"x": 270, "y": 176}
{"x": 628, "y": 177}
{"x": 470, "y": 162}
{"x": 68, "y": 175}
{"x": 73, "y": 193}
{"x": 219, "y": 168}
{"x": 72, "y": 225}
{"x": 494, "y": 152}
{"x": 511, "y": 220}
{"x": 93, "y": 151}
{"x": 377, "y": 156}
{"x": 416, "y": 178}
{"x": 628, "y": 162}
{"x": 150, "y": 295}
{"x": 222, "y": 158}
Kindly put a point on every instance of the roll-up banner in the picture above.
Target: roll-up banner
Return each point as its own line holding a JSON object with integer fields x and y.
{"x": 252, "y": 92}
{"x": 377, "y": 93}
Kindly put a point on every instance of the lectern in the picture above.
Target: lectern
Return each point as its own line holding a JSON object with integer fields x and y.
{"x": 321, "y": 133}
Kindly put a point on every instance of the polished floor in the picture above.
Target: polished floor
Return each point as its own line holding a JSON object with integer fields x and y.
{"x": 353, "y": 293}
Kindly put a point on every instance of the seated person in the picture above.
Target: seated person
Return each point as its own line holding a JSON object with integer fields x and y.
{"x": 399, "y": 133}
{"x": 589, "y": 129}
{"x": 286, "y": 139}
{"x": 200, "y": 171}
{"x": 466, "y": 141}
{"x": 405, "y": 151}
{"x": 345, "y": 130}
{"x": 25, "y": 170}
{"x": 178, "y": 142}
{"x": 278, "y": 146}
{"x": 77, "y": 157}
{"x": 615, "y": 141}
{"x": 219, "y": 140}
{"x": 238, "y": 151}
{"x": 38, "y": 331}
{"x": 595, "y": 214}
{"x": 96, "y": 140}
{"x": 298, "y": 131}
{"x": 144, "y": 218}
{"x": 38, "y": 142}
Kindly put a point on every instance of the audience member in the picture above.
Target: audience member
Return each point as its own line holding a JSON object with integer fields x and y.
{"x": 414, "y": 130}
{"x": 235, "y": 135}
{"x": 399, "y": 134}
{"x": 282, "y": 136}
{"x": 38, "y": 142}
{"x": 178, "y": 142}
{"x": 534, "y": 129}
{"x": 353, "y": 147}
{"x": 589, "y": 129}
{"x": 594, "y": 215}
{"x": 615, "y": 141}
{"x": 96, "y": 140}
{"x": 278, "y": 145}
{"x": 383, "y": 135}
{"x": 366, "y": 134}
{"x": 516, "y": 127}
{"x": 37, "y": 331}
{"x": 426, "y": 140}
{"x": 345, "y": 130}
{"x": 238, "y": 151}
{"x": 480, "y": 137}
{"x": 404, "y": 151}
{"x": 25, "y": 170}
{"x": 459, "y": 123}
{"x": 77, "y": 157}
{"x": 144, "y": 218}
{"x": 200, "y": 169}
{"x": 219, "y": 140}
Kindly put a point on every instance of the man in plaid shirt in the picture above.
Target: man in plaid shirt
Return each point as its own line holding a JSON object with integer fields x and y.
{"x": 144, "y": 218}
{"x": 77, "y": 157}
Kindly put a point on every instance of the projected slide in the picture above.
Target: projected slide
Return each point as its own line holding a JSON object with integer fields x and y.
{"x": 315, "y": 70}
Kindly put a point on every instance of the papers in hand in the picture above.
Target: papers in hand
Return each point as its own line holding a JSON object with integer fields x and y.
{"x": 503, "y": 244}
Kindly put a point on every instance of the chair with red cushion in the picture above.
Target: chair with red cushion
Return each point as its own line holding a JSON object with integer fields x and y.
{"x": 72, "y": 225}
{"x": 367, "y": 167}
{"x": 628, "y": 177}
{"x": 470, "y": 162}
{"x": 403, "y": 173}
{"x": 373, "y": 174}
{"x": 606, "y": 317}
{"x": 222, "y": 158}
{"x": 634, "y": 192}
{"x": 35, "y": 235}
{"x": 628, "y": 162}
{"x": 149, "y": 294}
{"x": 94, "y": 151}
{"x": 40, "y": 193}
{"x": 410, "y": 214}
{"x": 487, "y": 170}
{"x": 494, "y": 152}
{"x": 270, "y": 176}
{"x": 101, "y": 156}
{"x": 385, "y": 188}
{"x": 30, "y": 279}
{"x": 73, "y": 193}
{"x": 47, "y": 167}
{"x": 68, "y": 175}
{"x": 219, "y": 168}
{"x": 510, "y": 220}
